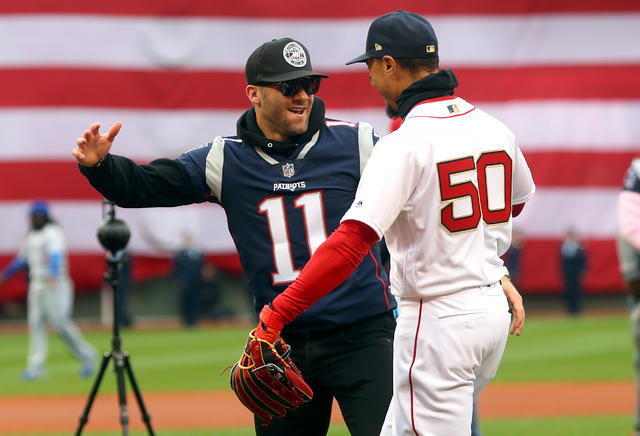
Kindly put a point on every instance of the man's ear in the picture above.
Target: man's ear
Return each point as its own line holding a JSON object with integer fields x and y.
{"x": 253, "y": 93}
{"x": 389, "y": 64}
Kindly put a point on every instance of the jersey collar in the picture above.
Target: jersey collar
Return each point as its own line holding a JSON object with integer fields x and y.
{"x": 435, "y": 85}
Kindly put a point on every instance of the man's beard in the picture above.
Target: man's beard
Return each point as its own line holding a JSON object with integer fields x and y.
{"x": 391, "y": 112}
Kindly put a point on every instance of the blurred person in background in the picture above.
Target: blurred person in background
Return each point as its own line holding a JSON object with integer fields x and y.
{"x": 628, "y": 244}
{"x": 188, "y": 266}
{"x": 212, "y": 291}
{"x": 50, "y": 293}
{"x": 574, "y": 261}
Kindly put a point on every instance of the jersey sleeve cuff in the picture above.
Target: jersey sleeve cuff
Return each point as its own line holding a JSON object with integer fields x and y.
{"x": 355, "y": 216}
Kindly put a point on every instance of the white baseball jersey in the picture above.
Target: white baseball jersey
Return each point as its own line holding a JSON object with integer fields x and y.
{"x": 440, "y": 189}
{"x": 37, "y": 250}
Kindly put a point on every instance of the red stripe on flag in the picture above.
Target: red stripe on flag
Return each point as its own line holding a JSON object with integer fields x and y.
{"x": 294, "y": 9}
{"x": 549, "y": 82}
{"x": 580, "y": 169}
{"x": 55, "y": 87}
{"x": 540, "y": 270}
{"x": 50, "y": 180}
{"x": 62, "y": 87}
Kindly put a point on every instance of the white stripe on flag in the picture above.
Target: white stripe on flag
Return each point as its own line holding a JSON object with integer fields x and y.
{"x": 149, "y": 134}
{"x": 153, "y": 230}
{"x": 552, "y": 211}
{"x": 216, "y": 43}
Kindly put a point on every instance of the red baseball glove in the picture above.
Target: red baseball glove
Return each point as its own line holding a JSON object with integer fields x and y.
{"x": 265, "y": 379}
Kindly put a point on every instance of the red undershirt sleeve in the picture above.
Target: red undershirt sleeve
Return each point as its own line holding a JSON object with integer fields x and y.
{"x": 332, "y": 263}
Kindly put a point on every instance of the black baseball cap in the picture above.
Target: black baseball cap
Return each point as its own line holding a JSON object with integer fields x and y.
{"x": 400, "y": 34}
{"x": 277, "y": 61}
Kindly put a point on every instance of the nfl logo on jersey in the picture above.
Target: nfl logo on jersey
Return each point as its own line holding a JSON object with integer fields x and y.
{"x": 288, "y": 170}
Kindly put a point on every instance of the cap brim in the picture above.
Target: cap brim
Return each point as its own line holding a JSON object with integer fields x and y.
{"x": 292, "y": 75}
{"x": 361, "y": 58}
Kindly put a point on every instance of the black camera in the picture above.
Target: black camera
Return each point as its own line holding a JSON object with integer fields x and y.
{"x": 113, "y": 233}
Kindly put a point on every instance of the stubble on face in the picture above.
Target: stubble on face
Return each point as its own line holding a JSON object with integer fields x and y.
{"x": 282, "y": 117}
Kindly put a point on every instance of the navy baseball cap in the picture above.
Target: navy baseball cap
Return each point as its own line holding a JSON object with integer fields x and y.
{"x": 277, "y": 61}
{"x": 39, "y": 207}
{"x": 399, "y": 34}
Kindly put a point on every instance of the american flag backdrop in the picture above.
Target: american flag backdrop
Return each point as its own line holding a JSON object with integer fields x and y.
{"x": 564, "y": 75}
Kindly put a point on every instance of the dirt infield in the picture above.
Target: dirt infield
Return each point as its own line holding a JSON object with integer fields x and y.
{"x": 221, "y": 409}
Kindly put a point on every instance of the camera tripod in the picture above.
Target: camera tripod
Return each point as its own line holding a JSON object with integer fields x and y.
{"x": 114, "y": 235}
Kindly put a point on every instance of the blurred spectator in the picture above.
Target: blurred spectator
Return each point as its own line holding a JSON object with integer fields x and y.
{"x": 188, "y": 264}
{"x": 124, "y": 286}
{"x": 513, "y": 256}
{"x": 212, "y": 294}
{"x": 574, "y": 262}
{"x": 629, "y": 256}
{"x": 50, "y": 293}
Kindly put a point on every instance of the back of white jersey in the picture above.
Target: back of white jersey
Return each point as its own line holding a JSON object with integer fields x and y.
{"x": 440, "y": 189}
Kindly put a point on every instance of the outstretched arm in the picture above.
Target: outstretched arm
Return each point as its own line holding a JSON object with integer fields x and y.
{"x": 161, "y": 183}
{"x": 332, "y": 263}
{"x": 93, "y": 146}
{"x": 17, "y": 263}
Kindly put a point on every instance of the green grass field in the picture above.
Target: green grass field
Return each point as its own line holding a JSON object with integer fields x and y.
{"x": 591, "y": 348}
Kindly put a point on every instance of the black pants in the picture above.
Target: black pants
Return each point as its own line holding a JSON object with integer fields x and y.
{"x": 354, "y": 364}
{"x": 573, "y": 295}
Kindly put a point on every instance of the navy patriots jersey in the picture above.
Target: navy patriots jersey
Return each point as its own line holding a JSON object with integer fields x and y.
{"x": 281, "y": 209}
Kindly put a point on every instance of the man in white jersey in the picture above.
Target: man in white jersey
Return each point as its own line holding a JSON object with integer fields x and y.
{"x": 50, "y": 295}
{"x": 442, "y": 190}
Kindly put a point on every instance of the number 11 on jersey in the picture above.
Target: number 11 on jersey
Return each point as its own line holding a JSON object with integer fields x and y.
{"x": 312, "y": 209}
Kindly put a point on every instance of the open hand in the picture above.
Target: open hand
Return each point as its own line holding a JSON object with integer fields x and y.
{"x": 93, "y": 146}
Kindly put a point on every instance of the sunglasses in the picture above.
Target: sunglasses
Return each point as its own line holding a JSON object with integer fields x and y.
{"x": 311, "y": 85}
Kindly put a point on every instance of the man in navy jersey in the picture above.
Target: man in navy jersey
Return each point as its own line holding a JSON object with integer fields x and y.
{"x": 284, "y": 180}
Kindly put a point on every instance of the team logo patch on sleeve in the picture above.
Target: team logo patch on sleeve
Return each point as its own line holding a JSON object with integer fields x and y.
{"x": 288, "y": 170}
{"x": 453, "y": 109}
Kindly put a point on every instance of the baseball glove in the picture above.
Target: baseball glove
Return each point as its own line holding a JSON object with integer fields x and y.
{"x": 266, "y": 380}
